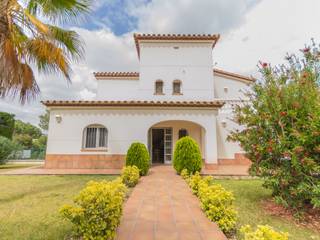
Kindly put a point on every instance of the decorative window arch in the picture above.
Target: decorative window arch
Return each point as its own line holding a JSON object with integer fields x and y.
{"x": 95, "y": 136}
{"x": 176, "y": 87}
{"x": 158, "y": 87}
{"x": 183, "y": 133}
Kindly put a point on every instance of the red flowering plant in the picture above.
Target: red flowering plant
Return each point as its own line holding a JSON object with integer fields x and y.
{"x": 281, "y": 133}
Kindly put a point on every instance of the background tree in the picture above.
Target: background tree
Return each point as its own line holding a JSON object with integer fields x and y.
{"x": 281, "y": 132}
{"x": 6, "y": 124}
{"x": 25, "y": 133}
{"x": 26, "y": 40}
{"x": 44, "y": 120}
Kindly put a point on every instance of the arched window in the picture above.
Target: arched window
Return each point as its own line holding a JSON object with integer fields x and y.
{"x": 183, "y": 133}
{"x": 158, "y": 87}
{"x": 95, "y": 136}
{"x": 176, "y": 87}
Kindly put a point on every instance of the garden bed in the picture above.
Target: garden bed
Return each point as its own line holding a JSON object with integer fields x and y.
{"x": 250, "y": 202}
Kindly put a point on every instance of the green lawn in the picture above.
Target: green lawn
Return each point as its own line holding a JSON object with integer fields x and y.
{"x": 8, "y": 167}
{"x": 29, "y": 205}
{"x": 249, "y": 195}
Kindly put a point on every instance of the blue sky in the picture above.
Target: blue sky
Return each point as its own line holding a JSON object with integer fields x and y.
{"x": 251, "y": 30}
{"x": 113, "y": 15}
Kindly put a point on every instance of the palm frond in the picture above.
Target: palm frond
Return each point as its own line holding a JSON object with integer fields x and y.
{"x": 69, "y": 40}
{"x": 61, "y": 10}
{"x": 48, "y": 57}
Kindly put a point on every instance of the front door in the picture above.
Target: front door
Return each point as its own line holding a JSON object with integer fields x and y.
{"x": 161, "y": 141}
{"x": 157, "y": 145}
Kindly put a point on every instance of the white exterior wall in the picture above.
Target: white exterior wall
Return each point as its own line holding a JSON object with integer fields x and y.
{"x": 117, "y": 89}
{"x": 232, "y": 93}
{"x": 191, "y": 63}
{"x": 124, "y": 127}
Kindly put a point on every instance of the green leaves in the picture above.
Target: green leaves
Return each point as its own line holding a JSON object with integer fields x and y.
{"x": 187, "y": 156}
{"x": 281, "y": 128}
{"x": 26, "y": 38}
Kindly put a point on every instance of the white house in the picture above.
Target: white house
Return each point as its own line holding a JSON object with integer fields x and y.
{"x": 176, "y": 93}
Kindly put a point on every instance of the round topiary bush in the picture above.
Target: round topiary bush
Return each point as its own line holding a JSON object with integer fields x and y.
{"x": 138, "y": 155}
{"x": 187, "y": 156}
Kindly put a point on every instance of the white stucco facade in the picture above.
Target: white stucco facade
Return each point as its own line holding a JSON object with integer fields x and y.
{"x": 128, "y": 106}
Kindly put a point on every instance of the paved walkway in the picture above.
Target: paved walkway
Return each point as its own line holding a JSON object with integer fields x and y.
{"x": 222, "y": 170}
{"x": 162, "y": 207}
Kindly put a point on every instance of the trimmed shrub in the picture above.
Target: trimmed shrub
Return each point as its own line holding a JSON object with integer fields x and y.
{"x": 98, "y": 210}
{"x": 130, "y": 176}
{"x": 263, "y": 232}
{"x": 138, "y": 155}
{"x": 187, "y": 156}
{"x": 7, "y": 147}
{"x": 217, "y": 203}
{"x": 185, "y": 175}
{"x": 194, "y": 181}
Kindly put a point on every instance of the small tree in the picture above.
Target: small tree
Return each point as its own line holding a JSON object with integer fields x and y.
{"x": 138, "y": 155}
{"x": 187, "y": 156}
{"x": 6, "y": 124}
{"x": 281, "y": 132}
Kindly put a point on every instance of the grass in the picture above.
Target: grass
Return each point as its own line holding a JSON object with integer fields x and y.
{"x": 29, "y": 205}
{"x": 8, "y": 167}
{"x": 249, "y": 195}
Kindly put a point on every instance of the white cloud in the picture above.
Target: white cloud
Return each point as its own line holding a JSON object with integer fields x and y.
{"x": 251, "y": 31}
{"x": 189, "y": 16}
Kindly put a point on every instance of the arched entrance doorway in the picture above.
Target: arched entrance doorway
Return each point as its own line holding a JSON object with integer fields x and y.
{"x": 163, "y": 136}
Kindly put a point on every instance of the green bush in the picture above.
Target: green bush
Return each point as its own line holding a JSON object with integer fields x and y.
{"x": 187, "y": 156}
{"x": 138, "y": 155}
{"x": 194, "y": 181}
{"x": 98, "y": 209}
{"x": 130, "y": 176}
{"x": 6, "y": 124}
{"x": 7, "y": 147}
{"x": 280, "y": 131}
{"x": 262, "y": 233}
{"x": 185, "y": 175}
{"x": 217, "y": 203}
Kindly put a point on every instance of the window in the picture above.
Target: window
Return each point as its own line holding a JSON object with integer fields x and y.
{"x": 183, "y": 133}
{"x": 95, "y": 136}
{"x": 159, "y": 87}
{"x": 176, "y": 87}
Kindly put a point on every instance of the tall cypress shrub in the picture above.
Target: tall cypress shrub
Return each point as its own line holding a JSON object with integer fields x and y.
{"x": 187, "y": 155}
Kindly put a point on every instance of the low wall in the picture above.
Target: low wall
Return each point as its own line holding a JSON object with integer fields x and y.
{"x": 81, "y": 161}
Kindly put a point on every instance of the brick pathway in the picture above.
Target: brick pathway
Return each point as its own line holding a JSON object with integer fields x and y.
{"x": 162, "y": 207}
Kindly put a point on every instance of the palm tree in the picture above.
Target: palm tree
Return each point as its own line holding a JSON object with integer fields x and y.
{"x": 26, "y": 40}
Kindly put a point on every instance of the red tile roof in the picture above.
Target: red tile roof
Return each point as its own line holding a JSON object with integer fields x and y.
{"x": 197, "y": 104}
{"x": 117, "y": 74}
{"x": 233, "y": 75}
{"x": 175, "y": 37}
{"x": 126, "y": 75}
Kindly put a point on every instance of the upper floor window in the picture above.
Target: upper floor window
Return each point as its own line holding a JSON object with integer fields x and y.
{"x": 183, "y": 133}
{"x": 159, "y": 87}
{"x": 95, "y": 136}
{"x": 176, "y": 87}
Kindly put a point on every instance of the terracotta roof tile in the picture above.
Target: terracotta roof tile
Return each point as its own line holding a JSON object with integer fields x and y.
{"x": 233, "y": 75}
{"x": 116, "y": 74}
{"x": 210, "y": 104}
{"x": 125, "y": 75}
{"x": 175, "y": 37}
